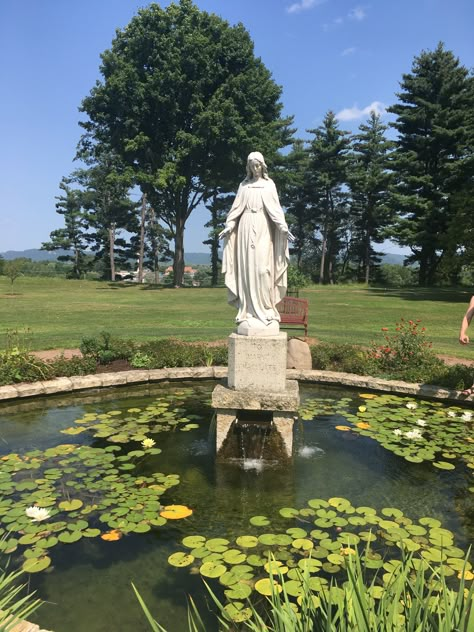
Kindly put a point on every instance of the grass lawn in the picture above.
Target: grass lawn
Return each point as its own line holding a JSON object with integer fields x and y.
{"x": 61, "y": 312}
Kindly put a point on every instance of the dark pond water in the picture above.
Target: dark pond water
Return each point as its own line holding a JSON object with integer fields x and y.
{"x": 88, "y": 588}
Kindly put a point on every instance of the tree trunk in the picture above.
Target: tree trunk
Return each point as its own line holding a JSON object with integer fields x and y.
{"x": 324, "y": 246}
{"x": 111, "y": 251}
{"x": 367, "y": 258}
{"x": 77, "y": 273}
{"x": 178, "y": 262}
{"x": 141, "y": 249}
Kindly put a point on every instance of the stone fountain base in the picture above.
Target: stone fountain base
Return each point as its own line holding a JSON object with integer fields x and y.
{"x": 231, "y": 405}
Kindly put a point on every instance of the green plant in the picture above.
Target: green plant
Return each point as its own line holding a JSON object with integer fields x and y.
{"x": 141, "y": 360}
{"x": 404, "y": 601}
{"x": 105, "y": 348}
{"x": 62, "y": 367}
{"x": 339, "y": 357}
{"x": 296, "y": 279}
{"x": 14, "y": 606}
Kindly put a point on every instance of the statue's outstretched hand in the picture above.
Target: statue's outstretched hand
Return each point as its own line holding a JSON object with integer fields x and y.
{"x": 291, "y": 237}
{"x": 225, "y": 232}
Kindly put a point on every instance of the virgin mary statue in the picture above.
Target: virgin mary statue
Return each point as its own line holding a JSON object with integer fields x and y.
{"x": 256, "y": 254}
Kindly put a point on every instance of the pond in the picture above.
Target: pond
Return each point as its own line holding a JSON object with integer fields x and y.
{"x": 366, "y": 468}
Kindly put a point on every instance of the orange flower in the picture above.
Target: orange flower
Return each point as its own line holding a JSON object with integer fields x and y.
{"x": 112, "y": 536}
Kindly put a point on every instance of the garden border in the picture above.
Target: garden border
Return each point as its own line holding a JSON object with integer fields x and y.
{"x": 125, "y": 378}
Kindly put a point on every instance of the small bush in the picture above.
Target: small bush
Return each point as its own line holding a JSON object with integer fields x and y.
{"x": 74, "y": 366}
{"x": 339, "y": 357}
{"x": 405, "y": 352}
{"x": 20, "y": 366}
{"x": 173, "y": 352}
{"x": 105, "y": 348}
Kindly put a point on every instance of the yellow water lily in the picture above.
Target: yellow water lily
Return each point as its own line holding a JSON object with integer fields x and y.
{"x": 148, "y": 443}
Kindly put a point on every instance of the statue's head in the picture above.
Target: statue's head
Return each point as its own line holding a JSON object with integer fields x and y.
{"x": 255, "y": 157}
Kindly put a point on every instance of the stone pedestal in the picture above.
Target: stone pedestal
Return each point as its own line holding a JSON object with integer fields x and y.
{"x": 257, "y": 362}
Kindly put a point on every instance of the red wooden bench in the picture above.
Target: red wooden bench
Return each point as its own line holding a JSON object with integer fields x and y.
{"x": 294, "y": 311}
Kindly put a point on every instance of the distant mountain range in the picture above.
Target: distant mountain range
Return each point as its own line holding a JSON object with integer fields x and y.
{"x": 191, "y": 258}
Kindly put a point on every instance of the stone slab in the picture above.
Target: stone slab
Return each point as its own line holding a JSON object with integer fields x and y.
{"x": 114, "y": 379}
{"x": 136, "y": 377}
{"x": 287, "y": 400}
{"x": 257, "y": 362}
{"x": 220, "y": 372}
{"x": 30, "y": 390}
{"x": 283, "y": 423}
{"x": 157, "y": 375}
{"x": 8, "y": 392}
{"x": 58, "y": 385}
{"x": 80, "y": 382}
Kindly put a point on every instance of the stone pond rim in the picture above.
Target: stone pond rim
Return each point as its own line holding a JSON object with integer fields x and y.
{"x": 74, "y": 384}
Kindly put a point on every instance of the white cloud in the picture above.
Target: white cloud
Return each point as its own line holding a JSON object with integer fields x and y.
{"x": 357, "y": 13}
{"x": 303, "y": 5}
{"x": 348, "y": 51}
{"x": 354, "y": 113}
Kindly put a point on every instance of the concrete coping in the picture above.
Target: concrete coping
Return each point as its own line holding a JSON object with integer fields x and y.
{"x": 126, "y": 378}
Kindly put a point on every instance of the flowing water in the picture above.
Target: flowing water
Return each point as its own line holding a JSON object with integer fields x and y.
{"x": 88, "y": 588}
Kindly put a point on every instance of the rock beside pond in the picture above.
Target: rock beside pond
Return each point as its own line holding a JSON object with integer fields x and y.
{"x": 298, "y": 355}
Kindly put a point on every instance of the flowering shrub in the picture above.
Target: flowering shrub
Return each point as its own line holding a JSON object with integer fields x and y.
{"x": 404, "y": 350}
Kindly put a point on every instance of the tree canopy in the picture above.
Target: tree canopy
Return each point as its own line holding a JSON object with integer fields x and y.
{"x": 183, "y": 99}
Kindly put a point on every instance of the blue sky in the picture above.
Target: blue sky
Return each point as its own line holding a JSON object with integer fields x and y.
{"x": 326, "y": 54}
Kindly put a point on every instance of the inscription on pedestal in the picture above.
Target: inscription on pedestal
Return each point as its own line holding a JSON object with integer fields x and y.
{"x": 257, "y": 363}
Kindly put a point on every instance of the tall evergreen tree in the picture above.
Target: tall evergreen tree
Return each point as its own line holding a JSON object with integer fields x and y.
{"x": 326, "y": 191}
{"x": 73, "y": 235}
{"x": 183, "y": 100}
{"x": 294, "y": 198}
{"x": 369, "y": 182}
{"x": 432, "y": 155}
{"x": 106, "y": 183}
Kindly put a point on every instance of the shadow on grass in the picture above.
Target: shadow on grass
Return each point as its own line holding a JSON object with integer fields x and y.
{"x": 450, "y": 295}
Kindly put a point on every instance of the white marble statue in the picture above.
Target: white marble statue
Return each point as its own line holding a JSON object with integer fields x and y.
{"x": 256, "y": 252}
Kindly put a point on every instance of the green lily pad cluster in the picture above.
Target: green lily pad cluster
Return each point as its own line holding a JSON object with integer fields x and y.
{"x": 318, "y": 543}
{"x": 78, "y": 492}
{"x": 415, "y": 430}
{"x": 135, "y": 424}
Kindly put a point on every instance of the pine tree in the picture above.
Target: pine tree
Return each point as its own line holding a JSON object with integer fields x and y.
{"x": 294, "y": 198}
{"x": 73, "y": 235}
{"x": 370, "y": 182}
{"x": 326, "y": 194}
{"x": 431, "y": 160}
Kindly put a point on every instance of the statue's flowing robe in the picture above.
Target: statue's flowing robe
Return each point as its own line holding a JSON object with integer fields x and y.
{"x": 256, "y": 255}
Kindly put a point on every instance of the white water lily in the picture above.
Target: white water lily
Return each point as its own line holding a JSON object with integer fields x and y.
{"x": 467, "y": 416}
{"x": 397, "y": 432}
{"x": 37, "y": 514}
{"x": 420, "y": 422}
{"x": 412, "y": 405}
{"x": 148, "y": 443}
{"x": 414, "y": 434}
{"x": 451, "y": 413}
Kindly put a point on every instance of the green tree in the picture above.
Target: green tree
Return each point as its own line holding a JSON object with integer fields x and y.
{"x": 369, "y": 182}
{"x": 105, "y": 183}
{"x": 182, "y": 100}
{"x": 294, "y": 198}
{"x": 326, "y": 192}
{"x": 433, "y": 157}
{"x": 72, "y": 236}
{"x": 13, "y": 269}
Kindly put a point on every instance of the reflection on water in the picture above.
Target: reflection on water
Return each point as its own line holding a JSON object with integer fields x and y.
{"x": 89, "y": 587}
